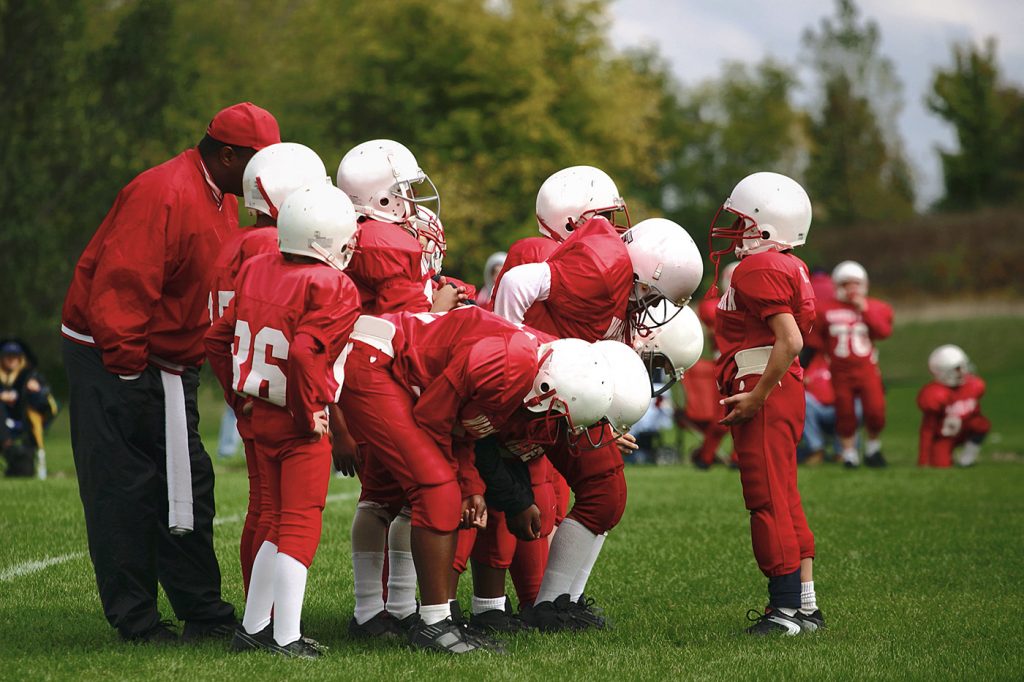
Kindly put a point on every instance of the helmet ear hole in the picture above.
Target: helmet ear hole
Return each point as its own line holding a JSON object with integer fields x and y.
{"x": 384, "y": 201}
{"x": 545, "y": 387}
{"x": 569, "y": 227}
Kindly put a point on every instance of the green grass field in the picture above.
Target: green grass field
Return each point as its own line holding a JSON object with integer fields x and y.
{"x": 919, "y": 573}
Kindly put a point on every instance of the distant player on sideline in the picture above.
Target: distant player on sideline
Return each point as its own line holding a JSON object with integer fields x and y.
{"x": 951, "y": 411}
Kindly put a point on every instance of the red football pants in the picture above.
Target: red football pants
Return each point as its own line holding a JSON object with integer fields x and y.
{"x": 296, "y": 473}
{"x": 767, "y": 451}
{"x": 596, "y": 478}
{"x": 866, "y": 385}
{"x": 940, "y": 454}
{"x": 379, "y": 414}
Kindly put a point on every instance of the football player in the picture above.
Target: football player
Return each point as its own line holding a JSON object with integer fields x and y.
{"x": 279, "y": 352}
{"x": 846, "y": 330}
{"x": 271, "y": 175}
{"x": 761, "y": 321}
{"x": 465, "y": 371}
{"x": 951, "y": 410}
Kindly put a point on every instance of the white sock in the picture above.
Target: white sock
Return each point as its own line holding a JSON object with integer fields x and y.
{"x": 259, "y": 603}
{"x": 968, "y": 454}
{"x": 569, "y": 551}
{"x": 289, "y": 592}
{"x": 579, "y": 583}
{"x": 481, "y": 604}
{"x": 874, "y": 446}
{"x": 851, "y": 456}
{"x": 401, "y": 569}
{"x": 788, "y": 612}
{"x": 808, "y": 601}
{"x": 369, "y": 536}
{"x": 435, "y": 613}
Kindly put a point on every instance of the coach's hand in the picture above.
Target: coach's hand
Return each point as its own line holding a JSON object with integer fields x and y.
{"x": 474, "y": 512}
{"x": 526, "y": 524}
{"x": 744, "y": 407}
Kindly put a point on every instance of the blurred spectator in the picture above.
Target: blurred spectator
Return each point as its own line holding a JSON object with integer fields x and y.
{"x": 820, "y": 420}
{"x": 228, "y": 439}
{"x": 491, "y": 269}
{"x": 702, "y": 412}
{"x": 26, "y": 409}
{"x": 648, "y": 430}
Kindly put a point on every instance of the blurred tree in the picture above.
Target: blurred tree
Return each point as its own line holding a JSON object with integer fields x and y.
{"x": 988, "y": 117}
{"x": 857, "y": 169}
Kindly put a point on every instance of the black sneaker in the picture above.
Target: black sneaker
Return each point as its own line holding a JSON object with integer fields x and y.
{"x": 771, "y": 622}
{"x": 811, "y": 622}
{"x": 875, "y": 461}
{"x": 552, "y": 616}
{"x": 584, "y": 611}
{"x": 303, "y": 647}
{"x": 499, "y": 621}
{"x": 483, "y": 639}
{"x": 161, "y": 634}
{"x": 199, "y": 630}
{"x": 446, "y": 637}
{"x": 381, "y": 626}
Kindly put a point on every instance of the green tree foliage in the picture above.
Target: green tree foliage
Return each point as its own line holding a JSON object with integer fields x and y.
{"x": 857, "y": 169}
{"x": 988, "y": 117}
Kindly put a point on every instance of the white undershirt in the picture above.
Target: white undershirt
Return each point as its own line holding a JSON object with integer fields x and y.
{"x": 520, "y": 287}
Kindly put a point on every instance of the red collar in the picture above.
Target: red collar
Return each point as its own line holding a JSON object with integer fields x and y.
{"x": 218, "y": 196}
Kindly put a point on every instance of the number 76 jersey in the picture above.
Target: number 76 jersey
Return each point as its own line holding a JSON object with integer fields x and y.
{"x": 283, "y": 337}
{"x": 848, "y": 336}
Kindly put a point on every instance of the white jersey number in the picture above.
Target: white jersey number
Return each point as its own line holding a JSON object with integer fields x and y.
{"x": 260, "y": 371}
{"x": 851, "y": 339}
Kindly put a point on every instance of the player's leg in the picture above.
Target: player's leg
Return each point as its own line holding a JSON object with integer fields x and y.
{"x": 846, "y": 420}
{"x": 872, "y": 396}
{"x": 974, "y": 431}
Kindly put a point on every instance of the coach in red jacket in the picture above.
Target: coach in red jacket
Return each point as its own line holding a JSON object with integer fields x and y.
{"x": 133, "y": 326}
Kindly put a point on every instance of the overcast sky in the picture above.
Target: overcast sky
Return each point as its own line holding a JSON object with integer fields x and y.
{"x": 697, "y": 36}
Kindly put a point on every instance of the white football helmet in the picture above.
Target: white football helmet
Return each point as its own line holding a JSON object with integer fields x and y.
{"x": 772, "y": 212}
{"x": 675, "y": 346}
{"x": 573, "y": 382}
{"x": 318, "y": 221}
{"x": 949, "y": 365}
{"x": 276, "y": 171}
{"x": 574, "y": 195}
{"x": 385, "y": 182}
{"x": 666, "y": 266}
{"x": 632, "y": 386}
{"x": 849, "y": 271}
{"x": 430, "y": 232}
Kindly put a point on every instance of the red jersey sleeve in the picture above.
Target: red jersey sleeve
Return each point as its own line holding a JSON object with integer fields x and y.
{"x": 933, "y": 397}
{"x": 470, "y": 481}
{"x": 129, "y": 277}
{"x": 765, "y": 292}
{"x": 878, "y": 317}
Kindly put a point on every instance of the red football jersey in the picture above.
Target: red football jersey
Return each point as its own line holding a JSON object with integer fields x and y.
{"x": 140, "y": 289}
{"x": 818, "y": 381}
{"x": 466, "y": 365}
{"x": 249, "y": 242}
{"x": 763, "y": 284}
{"x": 387, "y": 269}
{"x": 847, "y": 336}
{"x": 706, "y": 310}
{"x": 527, "y": 250}
{"x": 945, "y": 409}
{"x": 591, "y": 279}
{"x": 277, "y": 308}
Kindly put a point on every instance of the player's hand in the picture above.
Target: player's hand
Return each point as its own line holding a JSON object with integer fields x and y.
{"x": 345, "y": 454}
{"x": 474, "y": 512}
{"x": 627, "y": 443}
{"x": 526, "y": 524}
{"x": 744, "y": 407}
{"x": 9, "y": 397}
{"x": 247, "y": 408}
{"x": 859, "y": 300}
{"x": 321, "y": 426}
{"x": 446, "y": 297}
{"x": 33, "y": 385}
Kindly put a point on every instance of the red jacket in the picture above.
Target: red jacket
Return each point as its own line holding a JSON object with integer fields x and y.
{"x": 141, "y": 288}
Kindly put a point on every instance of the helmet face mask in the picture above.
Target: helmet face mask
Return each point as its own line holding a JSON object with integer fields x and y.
{"x": 430, "y": 233}
{"x": 674, "y": 347}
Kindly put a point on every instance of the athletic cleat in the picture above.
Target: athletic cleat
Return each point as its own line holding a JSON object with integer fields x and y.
{"x": 482, "y": 638}
{"x": 446, "y": 637}
{"x": 381, "y": 626}
{"x": 162, "y": 634}
{"x": 772, "y": 622}
{"x": 303, "y": 647}
{"x": 552, "y": 616}
{"x": 811, "y": 622}
{"x": 583, "y": 611}
{"x": 198, "y": 630}
{"x": 876, "y": 461}
{"x": 499, "y": 621}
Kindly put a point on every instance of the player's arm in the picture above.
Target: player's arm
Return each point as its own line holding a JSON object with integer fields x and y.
{"x": 878, "y": 317}
{"x": 521, "y": 287}
{"x": 218, "y": 341}
{"x": 788, "y": 344}
{"x": 507, "y": 477}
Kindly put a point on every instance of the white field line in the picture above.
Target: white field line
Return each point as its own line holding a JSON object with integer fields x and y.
{"x": 30, "y": 567}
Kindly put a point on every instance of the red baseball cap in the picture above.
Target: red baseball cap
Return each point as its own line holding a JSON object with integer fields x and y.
{"x": 245, "y": 125}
